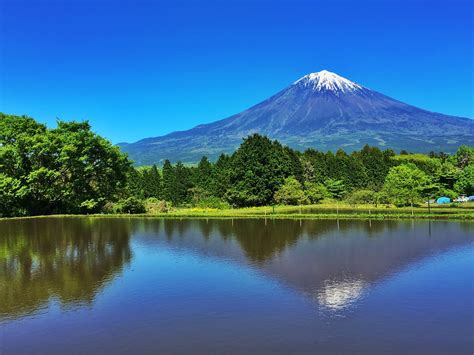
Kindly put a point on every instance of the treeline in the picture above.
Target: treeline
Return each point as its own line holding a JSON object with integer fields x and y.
{"x": 264, "y": 172}
{"x": 70, "y": 169}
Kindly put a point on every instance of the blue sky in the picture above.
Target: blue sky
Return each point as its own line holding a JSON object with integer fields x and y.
{"x": 137, "y": 69}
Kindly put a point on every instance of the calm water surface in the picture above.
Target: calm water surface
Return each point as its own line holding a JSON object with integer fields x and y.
{"x": 92, "y": 285}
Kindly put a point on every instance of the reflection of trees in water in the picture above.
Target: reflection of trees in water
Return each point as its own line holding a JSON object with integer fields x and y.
{"x": 261, "y": 240}
{"x": 72, "y": 258}
{"x": 66, "y": 258}
{"x": 334, "y": 262}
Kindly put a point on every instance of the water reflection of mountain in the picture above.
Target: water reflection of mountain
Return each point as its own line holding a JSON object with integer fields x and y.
{"x": 331, "y": 261}
{"x": 72, "y": 259}
{"x": 66, "y": 258}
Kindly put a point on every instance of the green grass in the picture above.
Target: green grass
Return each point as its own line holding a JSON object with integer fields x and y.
{"x": 323, "y": 211}
{"x": 327, "y": 210}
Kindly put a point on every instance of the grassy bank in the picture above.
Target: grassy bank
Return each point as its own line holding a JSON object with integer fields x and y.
{"x": 325, "y": 210}
{"x": 321, "y": 211}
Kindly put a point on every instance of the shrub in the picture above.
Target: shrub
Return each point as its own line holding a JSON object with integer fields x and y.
{"x": 89, "y": 206}
{"x": 130, "y": 205}
{"x": 336, "y": 188}
{"x": 382, "y": 198}
{"x": 152, "y": 200}
{"x": 109, "y": 207}
{"x": 153, "y": 205}
{"x": 362, "y": 197}
{"x": 315, "y": 193}
{"x": 163, "y": 206}
{"x": 212, "y": 202}
{"x": 291, "y": 193}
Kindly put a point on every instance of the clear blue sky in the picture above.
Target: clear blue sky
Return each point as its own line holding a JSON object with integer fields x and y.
{"x": 137, "y": 69}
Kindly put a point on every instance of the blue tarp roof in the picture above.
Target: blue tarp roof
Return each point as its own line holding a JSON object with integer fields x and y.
{"x": 443, "y": 199}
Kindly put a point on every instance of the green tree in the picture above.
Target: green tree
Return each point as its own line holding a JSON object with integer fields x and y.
{"x": 203, "y": 174}
{"x": 315, "y": 166}
{"x": 90, "y": 167}
{"x": 464, "y": 156}
{"x": 135, "y": 185}
{"x": 169, "y": 182}
{"x": 315, "y": 192}
{"x": 220, "y": 181}
{"x": 257, "y": 171}
{"x": 405, "y": 184}
{"x": 11, "y": 196}
{"x": 68, "y": 169}
{"x": 130, "y": 205}
{"x": 430, "y": 166}
{"x": 292, "y": 163}
{"x": 465, "y": 183}
{"x": 356, "y": 174}
{"x": 183, "y": 184}
{"x": 198, "y": 195}
{"x": 362, "y": 197}
{"x": 446, "y": 175}
{"x": 377, "y": 164}
{"x": 336, "y": 188}
{"x": 152, "y": 182}
{"x": 291, "y": 192}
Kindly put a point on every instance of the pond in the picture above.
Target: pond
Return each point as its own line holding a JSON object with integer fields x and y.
{"x": 117, "y": 285}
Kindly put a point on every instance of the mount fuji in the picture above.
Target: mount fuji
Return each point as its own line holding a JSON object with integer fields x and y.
{"x": 320, "y": 110}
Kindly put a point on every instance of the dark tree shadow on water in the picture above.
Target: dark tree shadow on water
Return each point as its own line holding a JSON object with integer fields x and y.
{"x": 70, "y": 259}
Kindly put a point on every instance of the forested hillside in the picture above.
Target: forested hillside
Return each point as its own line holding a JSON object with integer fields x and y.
{"x": 70, "y": 169}
{"x": 263, "y": 172}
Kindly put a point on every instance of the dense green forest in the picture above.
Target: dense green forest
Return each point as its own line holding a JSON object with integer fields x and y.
{"x": 70, "y": 169}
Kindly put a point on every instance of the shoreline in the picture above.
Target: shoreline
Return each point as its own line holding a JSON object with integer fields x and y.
{"x": 293, "y": 212}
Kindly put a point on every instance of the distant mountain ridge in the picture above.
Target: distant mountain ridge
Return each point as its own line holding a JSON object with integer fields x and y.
{"x": 320, "y": 110}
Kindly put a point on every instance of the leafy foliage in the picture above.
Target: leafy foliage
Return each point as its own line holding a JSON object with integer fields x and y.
{"x": 464, "y": 156}
{"x": 362, "y": 197}
{"x": 130, "y": 205}
{"x": 465, "y": 183}
{"x": 405, "y": 184}
{"x": 70, "y": 169}
{"x": 291, "y": 192}
{"x": 316, "y": 192}
{"x": 258, "y": 168}
{"x": 336, "y": 188}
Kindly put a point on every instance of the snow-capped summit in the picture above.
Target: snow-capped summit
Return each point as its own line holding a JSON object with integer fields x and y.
{"x": 325, "y": 80}
{"x": 321, "y": 110}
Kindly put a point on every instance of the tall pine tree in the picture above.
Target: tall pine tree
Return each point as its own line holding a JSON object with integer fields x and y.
{"x": 169, "y": 182}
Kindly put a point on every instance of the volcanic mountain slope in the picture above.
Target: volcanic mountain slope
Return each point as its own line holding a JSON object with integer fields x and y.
{"x": 321, "y": 110}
